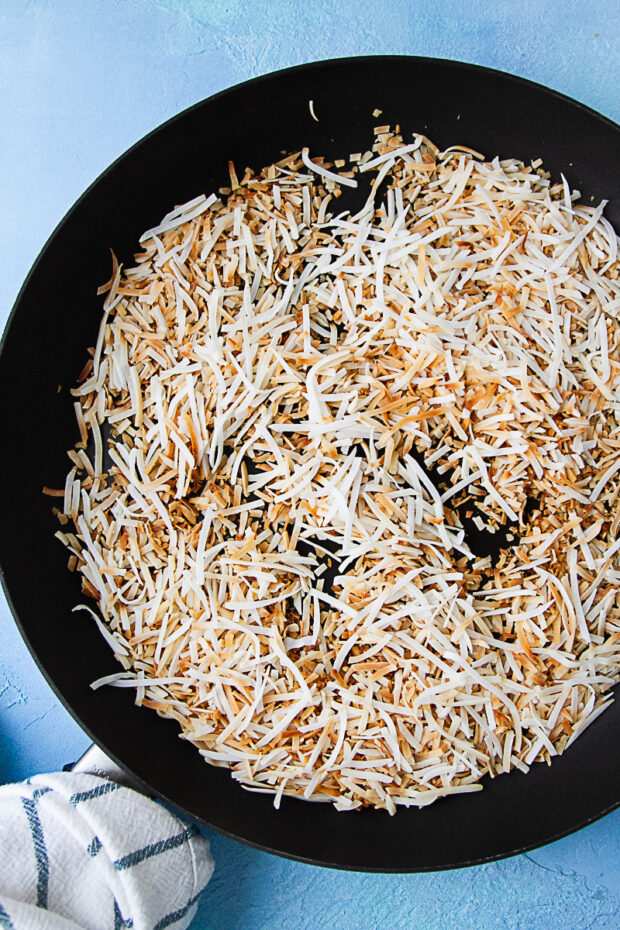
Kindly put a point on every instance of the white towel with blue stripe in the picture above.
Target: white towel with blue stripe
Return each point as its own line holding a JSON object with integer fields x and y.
{"x": 78, "y": 851}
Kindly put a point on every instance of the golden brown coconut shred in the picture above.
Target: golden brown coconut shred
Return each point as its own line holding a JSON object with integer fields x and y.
{"x": 266, "y": 383}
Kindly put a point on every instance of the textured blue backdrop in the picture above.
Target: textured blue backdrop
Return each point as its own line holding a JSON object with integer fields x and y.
{"x": 80, "y": 80}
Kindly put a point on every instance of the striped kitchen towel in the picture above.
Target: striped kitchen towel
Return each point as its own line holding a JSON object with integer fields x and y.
{"x": 80, "y": 851}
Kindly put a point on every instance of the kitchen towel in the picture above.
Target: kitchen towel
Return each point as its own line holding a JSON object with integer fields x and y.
{"x": 77, "y": 850}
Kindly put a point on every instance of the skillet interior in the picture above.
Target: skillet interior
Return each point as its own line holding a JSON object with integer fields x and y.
{"x": 56, "y": 317}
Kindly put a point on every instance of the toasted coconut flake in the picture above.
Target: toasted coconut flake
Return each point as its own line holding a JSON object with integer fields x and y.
{"x": 325, "y": 173}
{"x": 267, "y": 381}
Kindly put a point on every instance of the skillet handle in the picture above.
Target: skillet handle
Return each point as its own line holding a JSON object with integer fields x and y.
{"x": 95, "y": 762}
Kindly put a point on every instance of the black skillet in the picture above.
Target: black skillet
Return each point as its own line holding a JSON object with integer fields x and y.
{"x": 57, "y": 316}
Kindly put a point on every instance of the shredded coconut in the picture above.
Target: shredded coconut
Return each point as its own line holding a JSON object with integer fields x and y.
{"x": 290, "y": 423}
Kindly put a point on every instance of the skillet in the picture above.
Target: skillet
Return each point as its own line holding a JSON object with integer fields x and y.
{"x": 56, "y": 317}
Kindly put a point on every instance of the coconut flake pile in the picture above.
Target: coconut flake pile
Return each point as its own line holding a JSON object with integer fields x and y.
{"x": 285, "y": 417}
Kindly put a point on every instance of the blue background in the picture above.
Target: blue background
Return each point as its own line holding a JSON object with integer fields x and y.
{"x": 80, "y": 80}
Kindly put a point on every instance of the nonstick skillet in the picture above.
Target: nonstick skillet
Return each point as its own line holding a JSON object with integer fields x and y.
{"x": 56, "y": 317}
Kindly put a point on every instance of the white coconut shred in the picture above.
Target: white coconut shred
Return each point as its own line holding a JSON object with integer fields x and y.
{"x": 287, "y": 421}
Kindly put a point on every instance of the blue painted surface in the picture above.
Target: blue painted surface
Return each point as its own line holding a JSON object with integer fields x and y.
{"x": 80, "y": 80}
